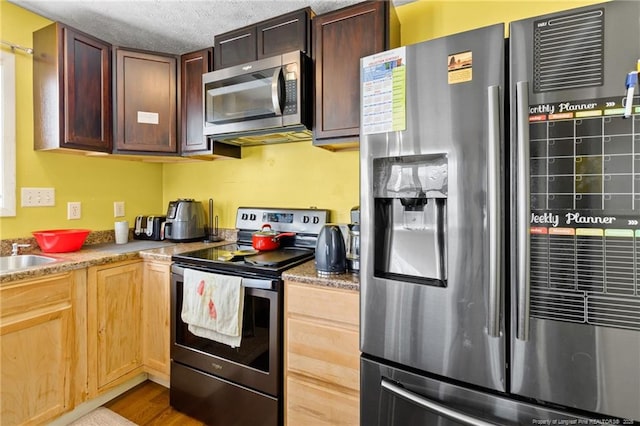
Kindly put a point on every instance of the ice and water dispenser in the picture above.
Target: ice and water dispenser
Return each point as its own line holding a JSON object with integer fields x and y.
{"x": 410, "y": 219}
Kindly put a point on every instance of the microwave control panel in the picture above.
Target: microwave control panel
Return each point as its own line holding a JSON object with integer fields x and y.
{"x": 291, "y": 95}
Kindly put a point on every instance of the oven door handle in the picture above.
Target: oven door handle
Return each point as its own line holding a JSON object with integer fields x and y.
{"x": 432, "y": 406}
{"x": 259, "y": 283}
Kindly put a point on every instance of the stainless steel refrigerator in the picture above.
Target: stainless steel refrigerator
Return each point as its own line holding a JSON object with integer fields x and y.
{"x": 500, "y": 241}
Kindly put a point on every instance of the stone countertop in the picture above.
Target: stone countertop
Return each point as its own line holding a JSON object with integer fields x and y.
{"x": 100, "y": 254}
{"x": 306, "y": 273}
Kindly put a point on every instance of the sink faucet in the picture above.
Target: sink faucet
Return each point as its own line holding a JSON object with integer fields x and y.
{"x": 15, "y": 248}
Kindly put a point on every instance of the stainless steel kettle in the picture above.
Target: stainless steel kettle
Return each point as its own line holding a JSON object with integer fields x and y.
{"x": 331, "y": 256}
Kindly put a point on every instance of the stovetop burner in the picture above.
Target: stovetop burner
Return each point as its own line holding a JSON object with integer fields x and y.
{"x": 270, "y": 263}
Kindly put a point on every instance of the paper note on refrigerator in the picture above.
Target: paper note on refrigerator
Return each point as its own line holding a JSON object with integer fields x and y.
{"x": 383, "y": 92}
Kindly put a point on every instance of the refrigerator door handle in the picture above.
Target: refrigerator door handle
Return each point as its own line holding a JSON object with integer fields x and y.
{"x": 523, "y": 209}
{"x": 432, "y": 406}
{"x": 493, "y": 204}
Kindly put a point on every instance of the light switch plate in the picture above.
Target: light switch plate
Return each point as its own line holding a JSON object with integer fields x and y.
{"x": 37, "y": 197}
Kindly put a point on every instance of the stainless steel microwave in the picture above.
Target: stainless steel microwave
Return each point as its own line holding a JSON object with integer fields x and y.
{"x": 265, "y": 101}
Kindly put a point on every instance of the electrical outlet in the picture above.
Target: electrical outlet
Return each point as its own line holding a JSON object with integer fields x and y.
{"x": 74, "y": 210}
{"x": 118, "y": 208}
{"x": 38, "y": 197}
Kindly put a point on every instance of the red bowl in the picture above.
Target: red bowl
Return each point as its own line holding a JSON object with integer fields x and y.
{"x": 61, "y": 240}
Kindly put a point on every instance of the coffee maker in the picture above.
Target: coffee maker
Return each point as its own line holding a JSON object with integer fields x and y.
{"x": 353, "y": 242}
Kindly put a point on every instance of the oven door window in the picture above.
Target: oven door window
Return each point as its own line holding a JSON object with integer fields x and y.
{"x": 258, "y": 324}
{"x": 259, "y": 94}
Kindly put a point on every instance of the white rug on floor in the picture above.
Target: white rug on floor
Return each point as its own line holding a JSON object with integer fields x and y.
{"x": 102, "y": 416}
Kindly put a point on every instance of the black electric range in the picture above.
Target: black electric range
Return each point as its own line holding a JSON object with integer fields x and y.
{"x": 262, "y": 263}
{"x": 220, "y": 384}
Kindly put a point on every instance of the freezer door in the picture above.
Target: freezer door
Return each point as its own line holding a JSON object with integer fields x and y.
{"x": 432, "y": 211}
{"x": 394, "y": 397}
{"x": 576, "y": 192}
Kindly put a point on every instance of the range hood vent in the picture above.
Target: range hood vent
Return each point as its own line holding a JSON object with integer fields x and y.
{"x": 267, "y": 137}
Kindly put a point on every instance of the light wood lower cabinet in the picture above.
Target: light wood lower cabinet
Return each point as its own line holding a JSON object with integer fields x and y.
{"x": 156, "y": 318}
{"x": 42, "y": 335}
{"x": 72, "y": 336}
{"x": 114, "y": 294}
{"x": 322, "y": 356}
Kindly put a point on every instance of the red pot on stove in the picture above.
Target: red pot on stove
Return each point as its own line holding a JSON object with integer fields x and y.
{"x": 267, "y": 239}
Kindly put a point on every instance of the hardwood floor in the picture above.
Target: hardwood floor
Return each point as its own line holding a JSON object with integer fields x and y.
{"x": 148, "y": 404}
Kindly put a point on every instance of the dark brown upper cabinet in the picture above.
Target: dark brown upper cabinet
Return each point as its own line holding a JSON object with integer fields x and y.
{"x": 234, "y": 47}
{"x": 192, "y": 66}
{"x": 72, "y": 90}
{"x": 340, "y": 39}
{"x": 285, "y": 33}
{"x": 192, "y": 139}
{"x": 274, "y": 36}
{"x": 145, "y": 102}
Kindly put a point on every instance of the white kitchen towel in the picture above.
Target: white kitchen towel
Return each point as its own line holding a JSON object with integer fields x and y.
{"x": 212, "y": 306}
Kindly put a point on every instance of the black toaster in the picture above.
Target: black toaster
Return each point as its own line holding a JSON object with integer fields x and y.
{"x": 149, "y": 228}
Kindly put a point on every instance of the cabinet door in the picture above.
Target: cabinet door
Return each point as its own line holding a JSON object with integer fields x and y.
{"x": 146, "y": 102}
{"x": 340, "y": 39}
{"x": 156, "y": 318}
{"x": 310, "y": 403}
{"x": 71, "y": 90}
{"x": 192, "y": 66}
{"x": 87, "y": 91}
{"x": 322, "y": 355}
{"x": 285, "y": 33}
{"x": 235, "y": 47}
{"x": 38, "y": 338}
{"x": 115, "y": 324}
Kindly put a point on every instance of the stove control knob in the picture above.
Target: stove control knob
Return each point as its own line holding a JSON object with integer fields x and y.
{"x": 252, "y": 216}
{"x": 305, "y": 219}
{"x": 316, "y": 220}
{"x": 244, "y": 216}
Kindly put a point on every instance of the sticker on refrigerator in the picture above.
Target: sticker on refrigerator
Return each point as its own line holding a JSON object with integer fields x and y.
{"x": 383, "y": 95}
{"x": 460, "y": 67}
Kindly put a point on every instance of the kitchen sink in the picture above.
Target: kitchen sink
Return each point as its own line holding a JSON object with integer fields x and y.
{"x": 11, "y": 263}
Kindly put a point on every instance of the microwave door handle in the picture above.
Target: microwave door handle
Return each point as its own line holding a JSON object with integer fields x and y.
{"x": 523, "y": 208}
{"x": 432, "y": 406}
{"x": 275, "y": 91}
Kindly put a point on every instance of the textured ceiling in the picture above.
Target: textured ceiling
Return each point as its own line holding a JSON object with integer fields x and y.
{"x": 170, "y": 26}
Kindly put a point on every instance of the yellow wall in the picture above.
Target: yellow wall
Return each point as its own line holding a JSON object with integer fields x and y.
{"x": 291, "y": 175}
{"x": 284, "y": 175}
{"x": 95, "y": 182}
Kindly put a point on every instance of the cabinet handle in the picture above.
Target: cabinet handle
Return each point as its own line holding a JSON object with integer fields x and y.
{"x": 523, "y": 208}
{"x": 282, "y": 24}
{"x": 494, "y": 202}
{"x": 434, "y": 407}
{"x": 236, "y": 38}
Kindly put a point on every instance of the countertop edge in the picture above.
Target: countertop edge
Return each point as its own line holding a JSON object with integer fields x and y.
{"x": 94, "y": 256}
{"x": 306, "y": 273}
